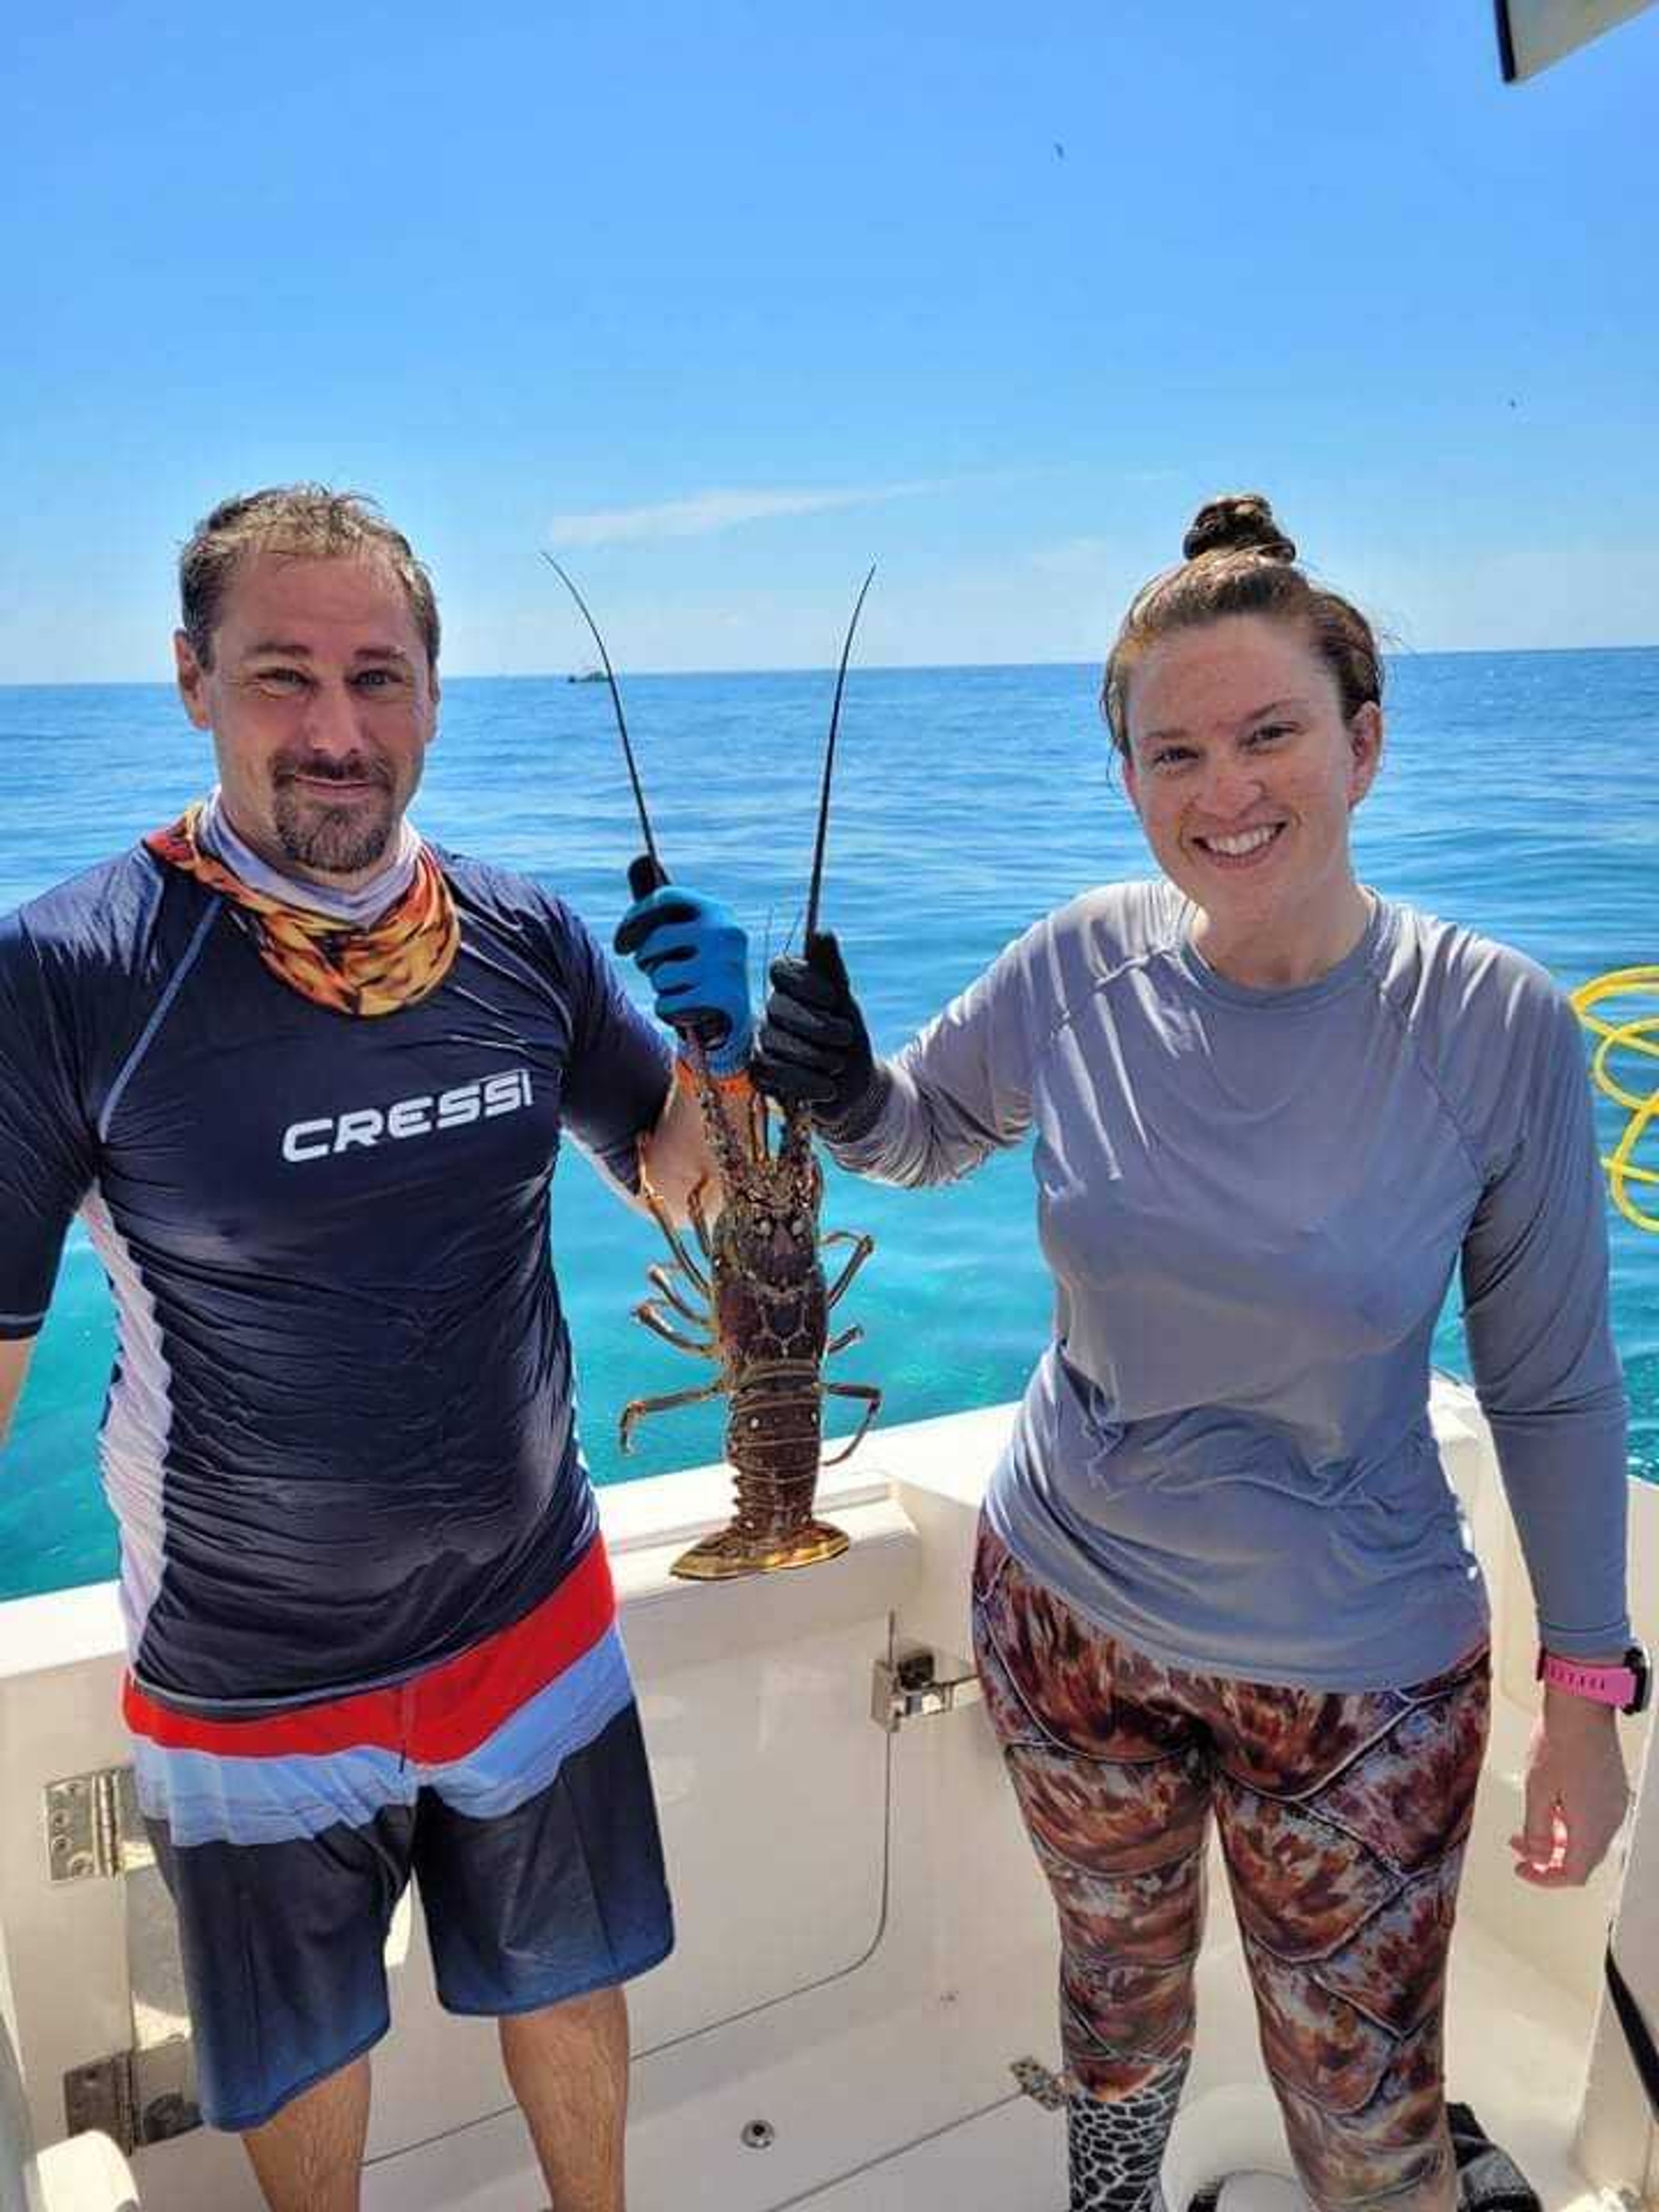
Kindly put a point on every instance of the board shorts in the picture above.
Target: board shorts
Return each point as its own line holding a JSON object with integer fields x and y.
{"x": 1343, "y": 1819}
{"x": 510, "y": 1781}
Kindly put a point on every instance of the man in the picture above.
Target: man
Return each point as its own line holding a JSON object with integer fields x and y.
{"x": 304, "y": 1078}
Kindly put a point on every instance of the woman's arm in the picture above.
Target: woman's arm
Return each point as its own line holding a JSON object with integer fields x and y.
{"x": 1536, "y": 1317}
{"x": 958, "y": 1091}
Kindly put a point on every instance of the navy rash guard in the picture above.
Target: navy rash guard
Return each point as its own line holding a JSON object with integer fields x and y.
{"x": 339, "y": 1439}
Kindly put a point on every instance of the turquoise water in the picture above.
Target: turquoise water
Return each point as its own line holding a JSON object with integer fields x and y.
{"x": 1517, "y": 797}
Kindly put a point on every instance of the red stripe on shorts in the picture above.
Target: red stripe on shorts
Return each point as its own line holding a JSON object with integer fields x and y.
{"x": 440, "y": 1714}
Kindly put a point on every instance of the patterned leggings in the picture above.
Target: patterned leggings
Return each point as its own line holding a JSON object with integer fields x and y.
{"x": 1342, "y": 1819}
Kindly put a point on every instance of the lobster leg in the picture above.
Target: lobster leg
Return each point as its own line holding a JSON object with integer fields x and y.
{"x": 660, "y": 1279}
{"x": 653, "y": 1320}
{"x": 676, "y": 1244}
{"x": 637, "y": 1408}
{"x": 698, "y": 1213}
{"x": 847, "y": 1336}
{"x": 871, "y": 1398}
{"x": 863, "y": 1247}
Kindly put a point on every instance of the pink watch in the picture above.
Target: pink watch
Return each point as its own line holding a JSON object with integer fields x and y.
{"x": 1624, "y": 1685}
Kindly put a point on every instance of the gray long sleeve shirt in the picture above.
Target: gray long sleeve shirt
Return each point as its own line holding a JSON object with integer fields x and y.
{"x": 1252, "y": 1202}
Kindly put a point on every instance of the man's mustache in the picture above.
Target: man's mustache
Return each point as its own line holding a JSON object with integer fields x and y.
{"x": 354, "y": 768}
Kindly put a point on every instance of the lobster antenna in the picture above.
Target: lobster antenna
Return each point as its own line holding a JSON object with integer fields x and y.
{"x": 829, "y": 769}
{"x": 622, "y": 719}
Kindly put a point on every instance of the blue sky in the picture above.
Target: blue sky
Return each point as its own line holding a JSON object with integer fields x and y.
{"x": 722, "y": 301}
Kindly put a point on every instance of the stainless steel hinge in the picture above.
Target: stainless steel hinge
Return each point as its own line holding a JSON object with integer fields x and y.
{"x": 1041, "y": 2083}
{"x": 916, "y": 1682}
{"x": 137, "y": 2097}
{"x": 93, "y": 1826}
{"x": 147, "y": 2092}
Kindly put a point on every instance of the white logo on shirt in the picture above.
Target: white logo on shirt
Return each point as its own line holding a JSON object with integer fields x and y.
{"x": 423, "y": 1116}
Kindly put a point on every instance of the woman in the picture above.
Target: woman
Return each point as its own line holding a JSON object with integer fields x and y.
{"x": 1220, "y": 1568}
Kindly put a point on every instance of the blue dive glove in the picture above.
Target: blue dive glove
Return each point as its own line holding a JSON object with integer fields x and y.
{"x": 696, "y": 955}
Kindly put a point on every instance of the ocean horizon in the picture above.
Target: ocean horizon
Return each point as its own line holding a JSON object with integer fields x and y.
{"x": 1395, "y": 660}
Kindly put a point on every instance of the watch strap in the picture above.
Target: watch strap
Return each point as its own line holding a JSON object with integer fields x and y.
{"x": 1623, "y": 1686}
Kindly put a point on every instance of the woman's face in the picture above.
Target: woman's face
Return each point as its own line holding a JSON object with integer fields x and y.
{"x": 1245, "y": 774}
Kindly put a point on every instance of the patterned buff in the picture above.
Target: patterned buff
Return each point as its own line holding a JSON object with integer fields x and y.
{"x": 394, "y": 962}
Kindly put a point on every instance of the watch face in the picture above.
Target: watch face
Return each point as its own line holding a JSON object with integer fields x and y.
{"x": 1636, "y": 1660}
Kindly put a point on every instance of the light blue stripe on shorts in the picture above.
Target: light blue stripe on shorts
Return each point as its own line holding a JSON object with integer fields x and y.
{"x": 206, "y": 1797}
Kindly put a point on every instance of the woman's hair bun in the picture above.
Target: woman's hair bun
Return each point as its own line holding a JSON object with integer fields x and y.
{"x": 1237, "y": 522}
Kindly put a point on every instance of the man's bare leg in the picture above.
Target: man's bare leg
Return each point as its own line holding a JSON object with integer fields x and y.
{"x": 569, "y": 2068}
{"x": 310, "y": 2157}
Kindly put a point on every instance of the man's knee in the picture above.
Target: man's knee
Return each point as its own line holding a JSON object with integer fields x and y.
{"x": 575, "y": 2048}
{"x": 600, "y": 2012}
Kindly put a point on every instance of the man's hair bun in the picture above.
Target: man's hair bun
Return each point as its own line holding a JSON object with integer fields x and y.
{"x": 1237, "y": 522}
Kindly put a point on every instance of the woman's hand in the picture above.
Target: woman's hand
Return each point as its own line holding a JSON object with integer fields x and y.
{"x": 813, "y": 1049}
{"x": 1576, "y": 1793}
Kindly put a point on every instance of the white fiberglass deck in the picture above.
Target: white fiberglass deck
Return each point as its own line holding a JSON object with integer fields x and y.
{"x": 864, "y": 1943}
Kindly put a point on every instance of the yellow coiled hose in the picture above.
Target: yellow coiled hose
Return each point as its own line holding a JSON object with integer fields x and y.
{"x": 1637, "y": 1034}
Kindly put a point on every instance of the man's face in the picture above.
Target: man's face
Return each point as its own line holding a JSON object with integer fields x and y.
{"x": 321, "y": 703}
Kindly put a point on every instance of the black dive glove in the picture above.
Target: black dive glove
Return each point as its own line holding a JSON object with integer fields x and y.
{"x": 813, "y": 1049}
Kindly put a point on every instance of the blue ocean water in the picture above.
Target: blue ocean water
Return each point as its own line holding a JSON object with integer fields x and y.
{"x": 1516, "y": 797}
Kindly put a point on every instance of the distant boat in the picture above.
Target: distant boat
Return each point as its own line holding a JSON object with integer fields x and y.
{"x": 586, "y": 676}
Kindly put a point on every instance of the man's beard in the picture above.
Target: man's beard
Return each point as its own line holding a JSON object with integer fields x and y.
{"x": 336, "y": 840}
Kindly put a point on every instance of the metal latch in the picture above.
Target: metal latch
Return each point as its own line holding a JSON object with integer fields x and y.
{"x": 915, "y": 1682}
{"x": 137, "y": 2097}
{"x": 1041, "y": 2083}
{"x": 93, "y": 1826}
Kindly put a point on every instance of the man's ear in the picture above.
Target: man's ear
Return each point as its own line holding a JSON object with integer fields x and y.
{"x": 192, "y": 680}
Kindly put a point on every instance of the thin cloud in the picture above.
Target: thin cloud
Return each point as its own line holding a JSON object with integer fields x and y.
{"x": 708, "y": 511}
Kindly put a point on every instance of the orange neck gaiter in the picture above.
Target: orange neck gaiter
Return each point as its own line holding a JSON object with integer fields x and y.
{"x": 394, "y": 962}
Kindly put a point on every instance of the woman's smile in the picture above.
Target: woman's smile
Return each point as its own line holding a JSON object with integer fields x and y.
{"x": 1240, "y": 848}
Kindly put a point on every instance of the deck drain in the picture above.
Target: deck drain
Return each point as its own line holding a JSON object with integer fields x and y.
{"x": 759, "y": 2135}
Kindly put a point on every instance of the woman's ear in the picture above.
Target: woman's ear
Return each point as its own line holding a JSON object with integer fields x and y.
{"x": 1366, "y": 738}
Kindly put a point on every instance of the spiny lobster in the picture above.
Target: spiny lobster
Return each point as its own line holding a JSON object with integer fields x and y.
{"x": 756, "y": 1293}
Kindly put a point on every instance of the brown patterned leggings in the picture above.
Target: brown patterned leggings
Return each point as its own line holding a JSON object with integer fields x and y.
{"x": 1342, "y": 1819}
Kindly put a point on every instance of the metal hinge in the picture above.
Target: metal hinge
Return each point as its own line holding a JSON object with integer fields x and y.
{"x": 137, "y": 2097}
{"x": 915, "y": 1682}
{"x": 94, "y": 1831}
{"x": 1041, "y": 2083}
{"x": 93, "y": 1826}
